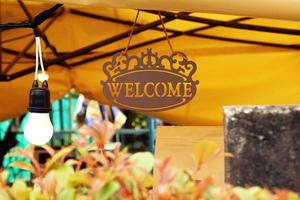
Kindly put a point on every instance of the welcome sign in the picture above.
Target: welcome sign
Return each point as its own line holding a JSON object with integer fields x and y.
{"x": 149, "y": 82}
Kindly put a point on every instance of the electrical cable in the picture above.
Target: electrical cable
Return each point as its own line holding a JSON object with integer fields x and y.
{"x": 38, "y": 57}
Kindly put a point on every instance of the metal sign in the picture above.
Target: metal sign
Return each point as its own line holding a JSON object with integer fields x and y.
{"x": 149, "y": 82}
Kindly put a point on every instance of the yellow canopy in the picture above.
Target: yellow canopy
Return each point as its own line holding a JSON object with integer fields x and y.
{"x": 277, "y": 9}
{"x": 232, "y": 72}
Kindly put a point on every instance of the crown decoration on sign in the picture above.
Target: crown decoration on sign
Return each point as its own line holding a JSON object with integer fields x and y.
{"x": 149, "y": 81}
{"x": 177, "y": 63}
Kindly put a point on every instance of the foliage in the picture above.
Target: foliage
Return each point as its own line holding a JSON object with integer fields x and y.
{"x": 139, "y": 121}
{"x": 86, "y": 171}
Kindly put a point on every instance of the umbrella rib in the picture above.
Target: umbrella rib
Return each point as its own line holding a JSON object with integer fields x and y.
{"x": 119, "y": 50}
{"x": 192, "y": 35}
{"x": 28, "y": 46}
{"x": 113, "y": 20}
{"x": 124, "y": 22}
{"x": 169, "y": 16}
{"x": 86, "y": 49}
{"x": 206, "y": 36}
{"x": 14, "y": 52}
{"x": 175, "y": 34}
{"x": 41, "y": 32}
{"x": 16, "y": 38}
{"x": 228, "y": 24}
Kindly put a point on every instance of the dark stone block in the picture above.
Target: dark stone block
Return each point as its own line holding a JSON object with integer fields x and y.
{"x": 265, "y": 142}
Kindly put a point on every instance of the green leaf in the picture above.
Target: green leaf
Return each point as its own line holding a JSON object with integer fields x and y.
{"x": 293, "y": 196}
{"x": 71, "y": 162}
{"x": 62, "y": 174}
{"x": 148, "y": 181}
{"x": 23, "y": 165}
{"x": 143, "y": 164}
{"x": 79, "y": 178}
{"x": 3, "y": 175}
{"x": 12, "y": 154}
{"x": 63, "y": 152}
{"x": 83, "y": 152}
{"x": 66, "y": 194}
{"x": 108, "y": 191}
{"x": 37, "y": 195}
{"x": 181, "y": 178}
{"x": 20, "y": 191}
{"x": 4, "y": 195}
{"x": 205, "y": 150}
{"x": 260, "y": 193}
{"x": 243, "y": 194}
{"x": 144, "y": 160}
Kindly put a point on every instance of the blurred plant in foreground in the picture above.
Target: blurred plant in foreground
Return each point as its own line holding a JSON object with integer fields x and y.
{"x": 86, "y": 171}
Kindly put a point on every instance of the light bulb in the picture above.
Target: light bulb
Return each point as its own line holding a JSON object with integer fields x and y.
{"x": 38, "y": 129}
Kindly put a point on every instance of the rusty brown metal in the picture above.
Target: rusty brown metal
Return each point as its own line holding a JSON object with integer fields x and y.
{"x": 149, "y": 81}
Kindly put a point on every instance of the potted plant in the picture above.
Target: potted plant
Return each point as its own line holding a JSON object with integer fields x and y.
{"x": 85, "y": 170}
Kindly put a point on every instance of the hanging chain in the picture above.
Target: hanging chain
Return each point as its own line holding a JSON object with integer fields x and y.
{"x": 131, "y": 33}
{"x": 166, "y": 33}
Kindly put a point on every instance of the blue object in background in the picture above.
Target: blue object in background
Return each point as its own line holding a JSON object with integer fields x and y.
{"x": 4, "y": 127}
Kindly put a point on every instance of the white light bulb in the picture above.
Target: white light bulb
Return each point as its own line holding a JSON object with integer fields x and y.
{"x": 43, "y": 77}
{"x": 38, "y": 129}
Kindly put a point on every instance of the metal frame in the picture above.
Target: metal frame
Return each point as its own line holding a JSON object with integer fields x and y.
{"x": 61, "y": 59}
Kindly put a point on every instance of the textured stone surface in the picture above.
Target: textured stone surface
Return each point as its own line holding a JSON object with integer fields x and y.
{"x": 265, "y": 141}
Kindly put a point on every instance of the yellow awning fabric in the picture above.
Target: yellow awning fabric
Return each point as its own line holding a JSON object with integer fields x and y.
{"x": 278, "y": 9}
{"x": 230, "y": 73}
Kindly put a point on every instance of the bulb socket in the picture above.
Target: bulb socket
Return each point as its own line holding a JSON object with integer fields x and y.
{"x": 39, "y": 98}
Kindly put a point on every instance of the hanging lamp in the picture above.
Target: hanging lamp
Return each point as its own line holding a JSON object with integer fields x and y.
{"x": 38, "y": 129}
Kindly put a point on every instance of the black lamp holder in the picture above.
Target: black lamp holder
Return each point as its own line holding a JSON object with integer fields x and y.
{"x": 39, "y": 98}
